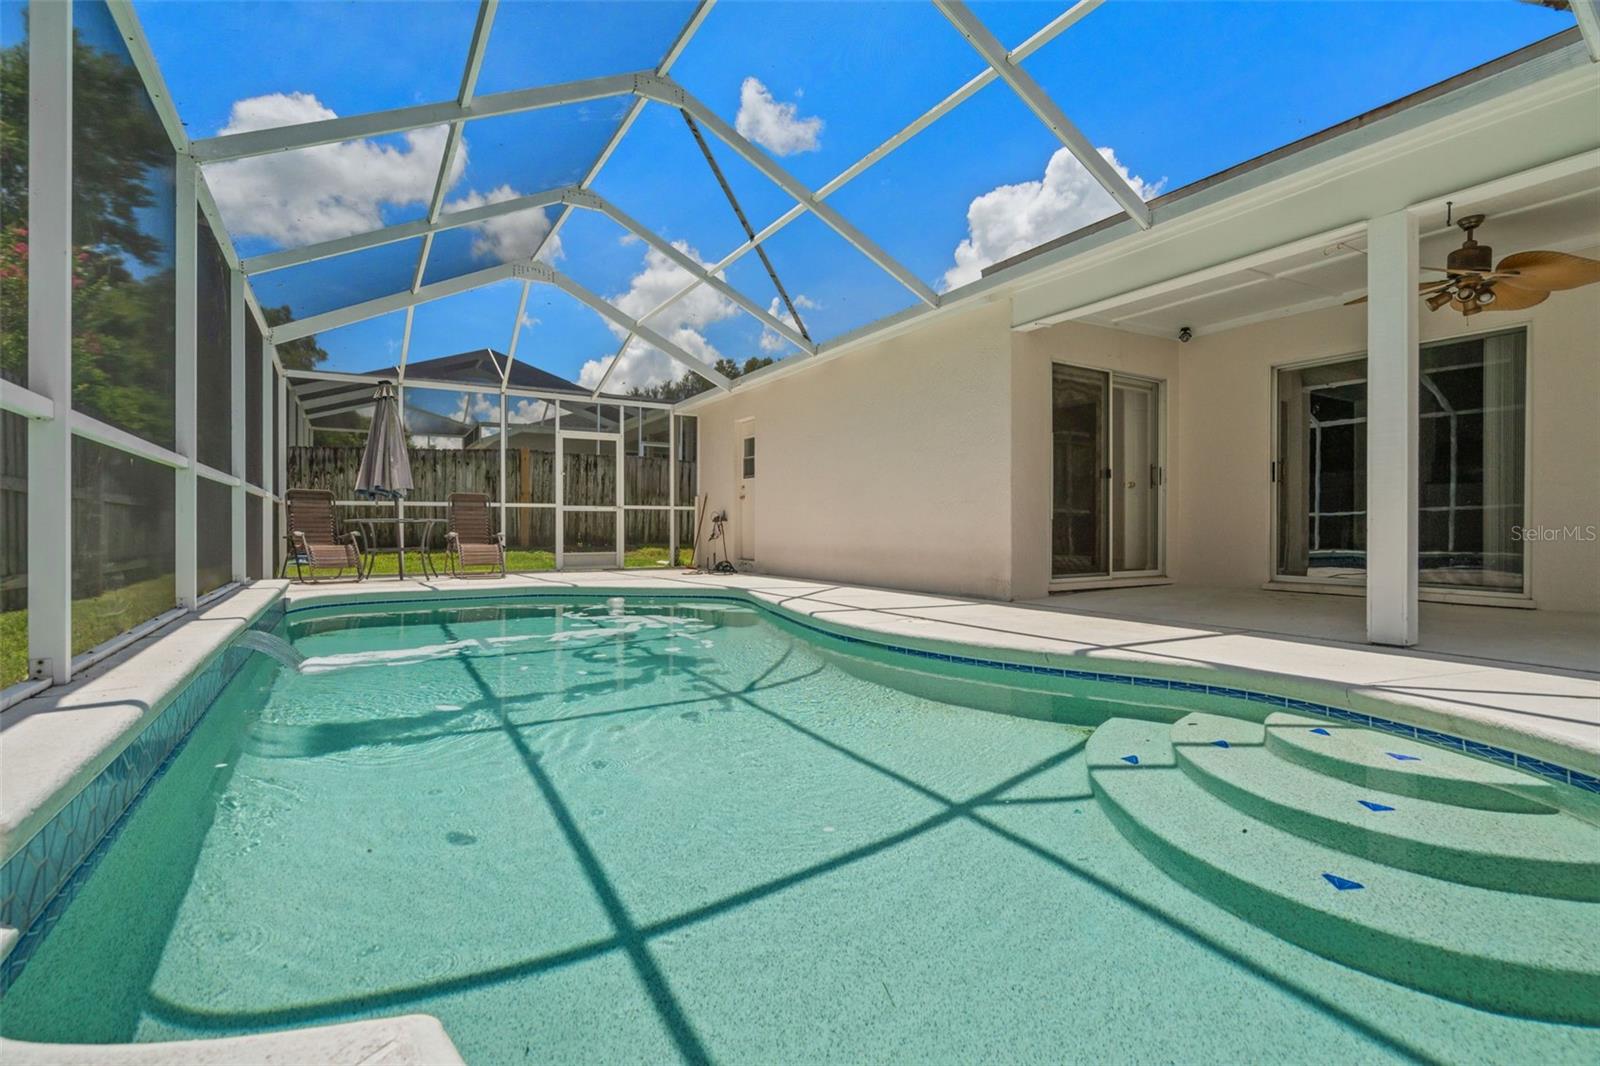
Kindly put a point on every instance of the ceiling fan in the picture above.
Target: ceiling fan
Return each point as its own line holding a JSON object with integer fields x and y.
{"x": 1473, "y": 282}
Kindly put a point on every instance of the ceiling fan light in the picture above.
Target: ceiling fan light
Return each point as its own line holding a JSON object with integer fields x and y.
{"x": 1438, "y": 300}
{"x": 1486, "y": 297}
{"x": 1471, "y": 308}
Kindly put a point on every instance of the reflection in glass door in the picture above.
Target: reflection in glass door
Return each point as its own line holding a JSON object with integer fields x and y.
{"x": 1135, "y": 477}
{"x": 1106, "y": 474}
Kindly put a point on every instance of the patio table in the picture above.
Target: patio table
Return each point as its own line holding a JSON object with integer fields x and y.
{"x": 424, "y": 545}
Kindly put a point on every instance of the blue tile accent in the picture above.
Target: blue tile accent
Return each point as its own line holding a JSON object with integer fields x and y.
{"x": 1444, "y": 740}
{"x": 1221, "y": 743}
{"x": 1489, "y": 751}
{"x": 1402, "y": 757}
{"x": 1321, "y": 732}
{"x": 1371, "y": 806}
{"x": 40, "y": 879}
{"x": 1542, "y": 768}
{"x": 1131, "y": 760}
{"x": 1343, "y": 884}
{"x": 1398, "y": 728}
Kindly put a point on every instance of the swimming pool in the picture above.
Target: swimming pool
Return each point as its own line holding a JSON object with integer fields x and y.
{"x": 651, "y": 829}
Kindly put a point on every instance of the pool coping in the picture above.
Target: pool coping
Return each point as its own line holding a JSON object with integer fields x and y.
{"x": 110, "y": 735}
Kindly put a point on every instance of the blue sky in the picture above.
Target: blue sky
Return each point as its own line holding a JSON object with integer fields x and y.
{"x": 1176, "y": 91}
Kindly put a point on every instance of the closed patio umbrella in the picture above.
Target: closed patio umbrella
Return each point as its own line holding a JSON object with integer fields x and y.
{"x": 385, "y": 468}
{"x": 385, "y": 472}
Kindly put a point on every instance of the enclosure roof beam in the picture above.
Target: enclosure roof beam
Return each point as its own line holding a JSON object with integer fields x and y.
{"x": 599, "y": 203}
{"x": 548, "y": 275}
{"x": 404, "y": 231}
{"x": 573, "y": 197}
{"x": 399, "y": 301}
{"x": 1040, "y": 103}
{"x": 696, "y": 19}
{"x": 376, "y": 124}
{"x": 1587, "y": 13}
{"x": 1047, "y": 33}
{"x": 669, "y": 92}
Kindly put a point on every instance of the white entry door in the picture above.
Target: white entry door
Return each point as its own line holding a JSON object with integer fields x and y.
{"x": 747, "y": 491}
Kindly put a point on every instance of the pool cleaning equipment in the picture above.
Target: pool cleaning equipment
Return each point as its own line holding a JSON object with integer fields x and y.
{"x": 719, "y": 522}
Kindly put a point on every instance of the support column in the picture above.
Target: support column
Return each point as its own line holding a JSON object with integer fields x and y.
{"x": 50, "y": 340}
{"x": 1392, "y": 411}
{"x": 186, "y": 390}
{"x": 270, "y": 548}
{"x": 238, "y": 440}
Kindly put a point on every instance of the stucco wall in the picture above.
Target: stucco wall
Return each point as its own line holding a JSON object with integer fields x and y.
{"x": 889, "y": 465}
{"x": 1221, "y": 528}
{"x": 923, "y": 462}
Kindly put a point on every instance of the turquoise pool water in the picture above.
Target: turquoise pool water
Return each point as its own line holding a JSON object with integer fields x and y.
{"x": 655, "y": 831}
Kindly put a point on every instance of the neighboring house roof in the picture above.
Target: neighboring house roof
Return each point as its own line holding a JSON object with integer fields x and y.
{"x": 483, "y": 366}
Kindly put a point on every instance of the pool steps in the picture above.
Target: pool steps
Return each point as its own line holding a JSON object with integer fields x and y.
{"x": 1396, "y": 889}
{"x": 1407, "y": 767}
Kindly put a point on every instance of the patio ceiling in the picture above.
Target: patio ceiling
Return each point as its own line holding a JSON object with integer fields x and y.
{"x": 558, "y": 138}
{"x": 1562, "y": 214}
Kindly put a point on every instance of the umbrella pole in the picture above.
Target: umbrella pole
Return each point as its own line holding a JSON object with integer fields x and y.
{"x": 399, "y": 537}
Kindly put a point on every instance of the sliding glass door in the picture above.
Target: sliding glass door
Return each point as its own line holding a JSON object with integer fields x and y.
{"x": 1471, "y": 438}
{"x": 1106, "y": 474}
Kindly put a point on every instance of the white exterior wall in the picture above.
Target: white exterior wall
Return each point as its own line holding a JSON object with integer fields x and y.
{"x": 887, "y": 466}
{"x": 923, "y": 462}
{"x": 1222, "y": 520}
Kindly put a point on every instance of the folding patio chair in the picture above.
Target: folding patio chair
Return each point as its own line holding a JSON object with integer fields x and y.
{"x": 471, "y": 539}
{"x": 313, "y": 537}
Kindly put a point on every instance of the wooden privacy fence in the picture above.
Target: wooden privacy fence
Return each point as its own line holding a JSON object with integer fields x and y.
{"x": 589, "y": 480}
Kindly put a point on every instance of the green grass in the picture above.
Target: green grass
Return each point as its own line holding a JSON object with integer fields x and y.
{"x": 95, "y": 620}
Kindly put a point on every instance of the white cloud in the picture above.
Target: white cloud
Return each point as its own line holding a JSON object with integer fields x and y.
{"x": 775, "y": 126}
{"x": 772, "y": 342}
{"x": 1013, "y": 218}
{"x": 332, "y": 190}
{"x": 507, "y": 237}
{"x": 683, "y": 323}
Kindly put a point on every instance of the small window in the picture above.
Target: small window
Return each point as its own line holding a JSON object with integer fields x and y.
{"x": 749, "y": 457}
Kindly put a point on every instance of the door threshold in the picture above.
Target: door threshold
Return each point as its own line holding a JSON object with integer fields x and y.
{"x": 1089, "y": 584}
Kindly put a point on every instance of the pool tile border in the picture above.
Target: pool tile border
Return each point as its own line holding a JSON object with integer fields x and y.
{"x": 39, "y": 882}
{"x": 1552, "y": 771}
{"x": 41, "y": 879}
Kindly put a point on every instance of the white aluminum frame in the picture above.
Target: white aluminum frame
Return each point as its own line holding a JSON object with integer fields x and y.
{"x": 1040, "y": 103}
{"x": 644, "y": 86}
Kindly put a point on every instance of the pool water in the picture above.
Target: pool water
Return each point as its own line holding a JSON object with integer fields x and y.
{"x": 683, "y": 830}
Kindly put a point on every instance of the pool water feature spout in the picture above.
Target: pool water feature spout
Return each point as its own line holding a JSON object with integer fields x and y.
{"x": 270, "y": 644}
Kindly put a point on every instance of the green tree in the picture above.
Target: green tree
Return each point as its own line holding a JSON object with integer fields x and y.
{"x": 692, "y": 384}
{"x": 122, "y": 279}
{"x": 302, "y": 354}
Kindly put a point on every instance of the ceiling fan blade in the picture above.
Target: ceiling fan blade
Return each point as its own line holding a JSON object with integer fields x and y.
{"x": 1424, "y": 289}
{"x": 1509, "y": 297}
{"x": 1550, "y": 270}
